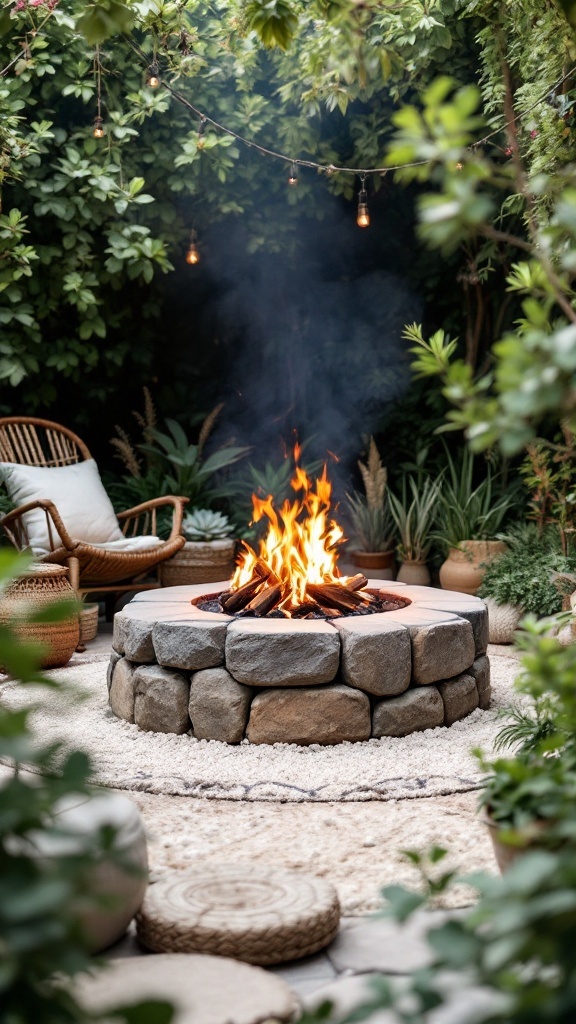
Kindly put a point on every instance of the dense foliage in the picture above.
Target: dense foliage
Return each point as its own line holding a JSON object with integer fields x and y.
{"x": 523, "y": 574}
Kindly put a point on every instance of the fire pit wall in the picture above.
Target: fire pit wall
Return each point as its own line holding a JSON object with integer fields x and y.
{"x": 176, "y": 668}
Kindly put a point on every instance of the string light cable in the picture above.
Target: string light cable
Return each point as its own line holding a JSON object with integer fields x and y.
{"x": 335, "y": 169}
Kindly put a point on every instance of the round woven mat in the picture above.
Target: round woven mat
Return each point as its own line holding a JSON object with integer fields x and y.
{"x": 247, "y": 912}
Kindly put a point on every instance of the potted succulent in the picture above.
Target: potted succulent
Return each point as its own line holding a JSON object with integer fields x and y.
{"x": 469, "y": 518}
{"x": 370, "y": 518}
{"x": 208, "y": 554}
{"x": 414, "y": 514}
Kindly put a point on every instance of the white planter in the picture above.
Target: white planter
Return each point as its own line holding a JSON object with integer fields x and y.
{"x": 502, "y": 621}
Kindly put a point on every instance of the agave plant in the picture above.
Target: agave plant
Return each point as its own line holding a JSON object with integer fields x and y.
{"x": 466, "y": 512}
{"x": 204, "y": 524}
{"x": 414, "y": 514}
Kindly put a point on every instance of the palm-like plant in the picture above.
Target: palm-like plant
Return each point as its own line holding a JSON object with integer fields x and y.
{"x": 414, "y": 514}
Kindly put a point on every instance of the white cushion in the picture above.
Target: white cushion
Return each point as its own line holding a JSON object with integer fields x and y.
{"x": 78, "y": 494}
{"x": 131, "y": 544}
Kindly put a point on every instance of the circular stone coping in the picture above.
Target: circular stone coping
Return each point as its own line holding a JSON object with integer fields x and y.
{"x": 177, "y": 604}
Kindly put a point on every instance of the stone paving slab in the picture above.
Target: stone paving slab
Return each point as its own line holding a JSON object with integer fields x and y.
{"x": 380, "y": 944}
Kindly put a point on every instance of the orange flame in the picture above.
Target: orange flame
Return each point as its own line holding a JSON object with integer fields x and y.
{"x": 300, "y": 546}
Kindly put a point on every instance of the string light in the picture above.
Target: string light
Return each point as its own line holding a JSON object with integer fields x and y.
{"x": 153, "y": 76}
{"x": 192, "y": 254}
{"x": 293, "y": 176}
{"x": 98, "y": 130}
{"x": 363, "y": 216}
{"x": 201, "y": 128}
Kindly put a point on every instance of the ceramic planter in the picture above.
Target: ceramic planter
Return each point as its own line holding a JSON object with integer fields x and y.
{"x": 502, "y": 621}
{"x": 414, "y": 572}
{"x": 462, "y": 569}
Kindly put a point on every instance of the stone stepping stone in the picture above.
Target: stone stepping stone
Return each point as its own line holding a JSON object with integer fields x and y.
{"x": 256, "y": 914}
{"x": 203, "y": 989}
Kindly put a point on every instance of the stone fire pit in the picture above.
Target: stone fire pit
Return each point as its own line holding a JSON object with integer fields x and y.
{"x": 175, "y": 667}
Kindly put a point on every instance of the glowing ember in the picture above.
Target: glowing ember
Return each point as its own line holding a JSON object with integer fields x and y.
{"x": 300, "y": 546}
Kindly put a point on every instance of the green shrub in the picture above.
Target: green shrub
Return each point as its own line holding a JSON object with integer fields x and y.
{"x": 522, "y": 575}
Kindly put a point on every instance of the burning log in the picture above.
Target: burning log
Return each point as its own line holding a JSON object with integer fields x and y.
{"x": 357, "y": 582}
{"x": 334, "y": 595}
{"x": 234, "y": 601}
{"x": 265, "y": 601}
{"x": 305, "y": 609}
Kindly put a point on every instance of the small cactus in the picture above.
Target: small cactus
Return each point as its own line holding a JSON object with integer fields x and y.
{"x": 203, "y": 524}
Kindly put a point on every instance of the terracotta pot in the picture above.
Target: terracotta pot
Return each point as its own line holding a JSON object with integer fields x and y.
{"x": 506, "y": 854}
{"x": 381, "y": 562}
{"x": 462, "y": 569}
{"x": 415, "y": 573}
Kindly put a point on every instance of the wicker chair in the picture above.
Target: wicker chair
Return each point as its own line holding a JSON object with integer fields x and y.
{"x": 35, "y": 442}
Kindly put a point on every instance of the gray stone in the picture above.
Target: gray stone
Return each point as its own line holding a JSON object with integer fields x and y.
{"x": 161, "y": 700}
{"x": 192, "y": 644}
{"x": 118, "y": 632}
{"x": 376, "y": 657}
{"x": 281, "y": 652}
{"x": 325, "y": 714}
{"x": 202, "y": 989}
{"x": 138, "y": 639}
{"x": 466, "y": 606}
{"x": 123, "y": 690}
{"x": 114, "y": 659}
{"x": 460, "y": 697}
{"x": 415, "y": 710}
{"x": 384, "y": 945}
{"x": 219, "y": 706}
{"x": 481, "y": 672}
{"x": 442, "y": 643}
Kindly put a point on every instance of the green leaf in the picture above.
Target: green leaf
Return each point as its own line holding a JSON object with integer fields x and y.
{"x": 104, "y": 18}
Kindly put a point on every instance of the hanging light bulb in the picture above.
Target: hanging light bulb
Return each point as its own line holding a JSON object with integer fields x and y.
{"x": 192, "y": 254}
{"x": 201, "y": 138}
{"x": 98, "y": 130}
{"x": 153, "y": 76}
{"x": 363, "y": 216}
{"x": 293, "y": 176}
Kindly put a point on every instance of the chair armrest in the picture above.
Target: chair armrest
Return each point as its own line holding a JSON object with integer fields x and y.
{"x": 15, "y": 528}
{"x": 146, "y": 512}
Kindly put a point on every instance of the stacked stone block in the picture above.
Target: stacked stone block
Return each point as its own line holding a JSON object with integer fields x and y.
{"x": 175, "y": 668}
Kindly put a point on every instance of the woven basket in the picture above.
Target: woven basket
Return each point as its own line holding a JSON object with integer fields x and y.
{"x": 88, "y": 623}
{"x": 42, "y": 585}
{"x": 199, "y": 562}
